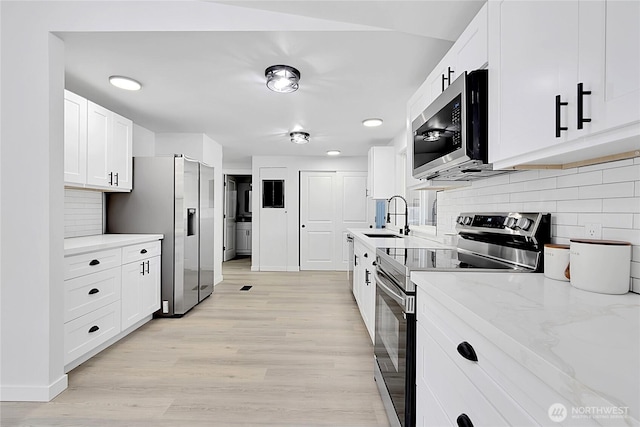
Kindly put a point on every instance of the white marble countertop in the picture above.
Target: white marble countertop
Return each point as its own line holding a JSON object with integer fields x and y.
{"x": 588, "y": 343}
{"x": 386, "y": 242}
{"x": 79, "y": 245}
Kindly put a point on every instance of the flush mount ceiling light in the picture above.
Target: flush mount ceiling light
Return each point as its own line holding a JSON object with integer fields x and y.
{"x": 125, "y": 83}
{"x": 282, "y": 78}
{"x": 333, "y": 153}
{"x": 299, "y": 137}
{"x": 371, "y": 123}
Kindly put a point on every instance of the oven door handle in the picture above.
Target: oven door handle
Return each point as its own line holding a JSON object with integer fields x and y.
{"x": 397, "y": 297}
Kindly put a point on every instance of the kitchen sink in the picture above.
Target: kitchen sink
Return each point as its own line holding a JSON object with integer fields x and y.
{"x": 381, "y": 235}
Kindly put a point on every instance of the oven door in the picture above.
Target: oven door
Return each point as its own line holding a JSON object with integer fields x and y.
{"x": 395, "y": 350}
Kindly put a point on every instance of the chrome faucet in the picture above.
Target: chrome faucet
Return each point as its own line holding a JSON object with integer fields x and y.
{"x": 406, "y": 214}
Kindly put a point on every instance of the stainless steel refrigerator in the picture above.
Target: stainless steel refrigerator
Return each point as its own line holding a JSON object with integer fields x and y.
{"x": 172, "y": 195}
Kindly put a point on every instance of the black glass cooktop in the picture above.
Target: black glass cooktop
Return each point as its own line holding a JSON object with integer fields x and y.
{"x": 416, "y": 259}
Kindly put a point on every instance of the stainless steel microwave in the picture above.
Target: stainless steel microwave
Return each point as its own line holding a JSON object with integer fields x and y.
{"x": 450, "y": 136}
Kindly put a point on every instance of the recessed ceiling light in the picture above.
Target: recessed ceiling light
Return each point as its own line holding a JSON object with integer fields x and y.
{"x": 124, "y": 83}
{"x": 333, "y": 153}
{"x": 299, "y": 137}
{"x": 370, "y": 123}
{"x": 282, "y": 78}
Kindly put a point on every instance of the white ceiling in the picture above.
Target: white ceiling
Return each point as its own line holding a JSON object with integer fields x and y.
{"x": 213, "y": 82}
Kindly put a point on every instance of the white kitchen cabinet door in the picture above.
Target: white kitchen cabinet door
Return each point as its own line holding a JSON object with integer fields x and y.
{"x": 131, "y": 295}
{"x": 151, "y": 287}
{"x": 609, "y": 63}
{"x": 381, "y": 173}
{"x": 99, "y": 135}
{"x": 364, "y": 285}
{"x": 537, "y": 60}
{"x": 120, "y": 152}
{"x": 75, "y": 139}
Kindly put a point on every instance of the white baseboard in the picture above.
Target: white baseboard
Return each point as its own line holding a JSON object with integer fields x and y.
{"x": 34, "y": 393}
{"x": 295, "y": 268}
{"x": 255, "y": 268}
{"x": 218, "y": 279}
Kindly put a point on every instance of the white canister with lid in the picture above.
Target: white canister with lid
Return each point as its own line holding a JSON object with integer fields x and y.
{"x": 602, "y": 266}
{"x": 556, "y": 261}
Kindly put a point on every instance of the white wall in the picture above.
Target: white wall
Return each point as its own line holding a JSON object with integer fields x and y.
{"x": 606, "y": 194}
{"x": 31, "y": 162}
{"x": 83, "y": 213}
{"x": 292, "y": 167}
{"x": 144, "y": 142}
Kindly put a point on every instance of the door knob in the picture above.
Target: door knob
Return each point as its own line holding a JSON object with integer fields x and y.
{"x": 303, "y": 225}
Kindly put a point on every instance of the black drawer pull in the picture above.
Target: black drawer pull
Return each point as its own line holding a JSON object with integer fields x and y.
{"x": 580, "y": 99}
{"x": 466, "y": 350}
{"x": 93, "y": 329}
{"x": 94, "y": 262}
{"x": 144, "y": 251}
{"x": 559, "y": 104}
{"x": 94, "y": 291}
{"x": 463, "y": 420}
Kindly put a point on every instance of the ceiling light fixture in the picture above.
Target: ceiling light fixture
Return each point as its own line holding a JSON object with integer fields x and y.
{"x": 371, "y": 123}
{"x": 125, "y": 83}
{"x": 282, "y": 78}
{"x": 299, "y": 137}
{"x": 333, "y": 153}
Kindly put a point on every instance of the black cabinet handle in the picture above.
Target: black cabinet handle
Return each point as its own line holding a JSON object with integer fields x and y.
{"x": 142, "y": 271}
{"x": 374, "y": 263}
{"x": 147, "y": 267}
{"x": 117, "y": 180}
{"x": 110, "y": 178}
{"x": 443, "y": 79}
{"x": 466, "y": 350}
{"x": 144, "y": 251}
{"x": 93, "y": 329}
{"x": 463, "y": 420}
{"x": 448, "y": 78}
{"x": 94, "y": 291}
{"x": 366, "y": 255}
{"x": 580, "y": 99}
{"x": 355, "y": 260}
{"x": 94, "y": 262}
{"x": 559, "y": 104}
{"x": 367, "y": 273}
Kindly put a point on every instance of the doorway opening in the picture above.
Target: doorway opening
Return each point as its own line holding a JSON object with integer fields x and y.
{"x": 237, "y": 217}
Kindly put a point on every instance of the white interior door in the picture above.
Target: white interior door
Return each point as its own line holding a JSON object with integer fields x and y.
{"x": 317, "y": 220}
{"x": 353, "y": 211}
{"x": 330, "y": 202}
{"x": 230, "y": 202}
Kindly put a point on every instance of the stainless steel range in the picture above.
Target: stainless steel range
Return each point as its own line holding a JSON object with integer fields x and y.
{"x": 487, "y": 242}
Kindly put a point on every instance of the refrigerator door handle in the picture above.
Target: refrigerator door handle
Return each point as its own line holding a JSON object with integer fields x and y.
{"x": 191, "y": 221}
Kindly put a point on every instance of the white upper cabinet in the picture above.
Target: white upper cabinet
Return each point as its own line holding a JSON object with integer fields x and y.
{"x": 554, "y": 63}
{"x": 75, "y": 138}
{"x": 381, "y": 176}
{"x": 98, "y": 137}
{"x": 468, "y": 53}
{"x": 120, "y": 152}
{"x": 98, "y": 146}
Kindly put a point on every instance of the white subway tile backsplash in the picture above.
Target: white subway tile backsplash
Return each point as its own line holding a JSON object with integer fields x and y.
{"x": 83, "y": 213}
{"x": 621, "y": 174}
{"x": 607, "y": 194}
{"x": 622, "y": 205}
{"x": 607, "y": 191}
{"x": 540, "y": 184}
{"x": 577, "y": 180}
{"x": 594, "y": 205}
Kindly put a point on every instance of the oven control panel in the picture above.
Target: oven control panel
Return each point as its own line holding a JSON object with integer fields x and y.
{"x": 524, "y": 224}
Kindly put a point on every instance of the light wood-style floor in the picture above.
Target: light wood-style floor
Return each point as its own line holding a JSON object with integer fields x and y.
{"x": 292, "y": 351}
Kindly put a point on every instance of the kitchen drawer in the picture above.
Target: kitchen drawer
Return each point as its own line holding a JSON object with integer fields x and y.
{"x": 141, "y": 251}
{"x": 89, "y": 331}
{"x": 429, "y": 413}
{"x": 87, "y": 293}
{"x": 91, "y": 262}
{"x": 496, "y": 375}
{"x": 456, "y": 393}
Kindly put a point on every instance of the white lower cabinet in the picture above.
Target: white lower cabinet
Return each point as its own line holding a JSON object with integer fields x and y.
{"x": 105, "y": 293}
{"x": 140, "y": 290}
{"x": 463, "y": 379}
{"x": 243, "y": 238}
{"x": 364, "y": 284}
